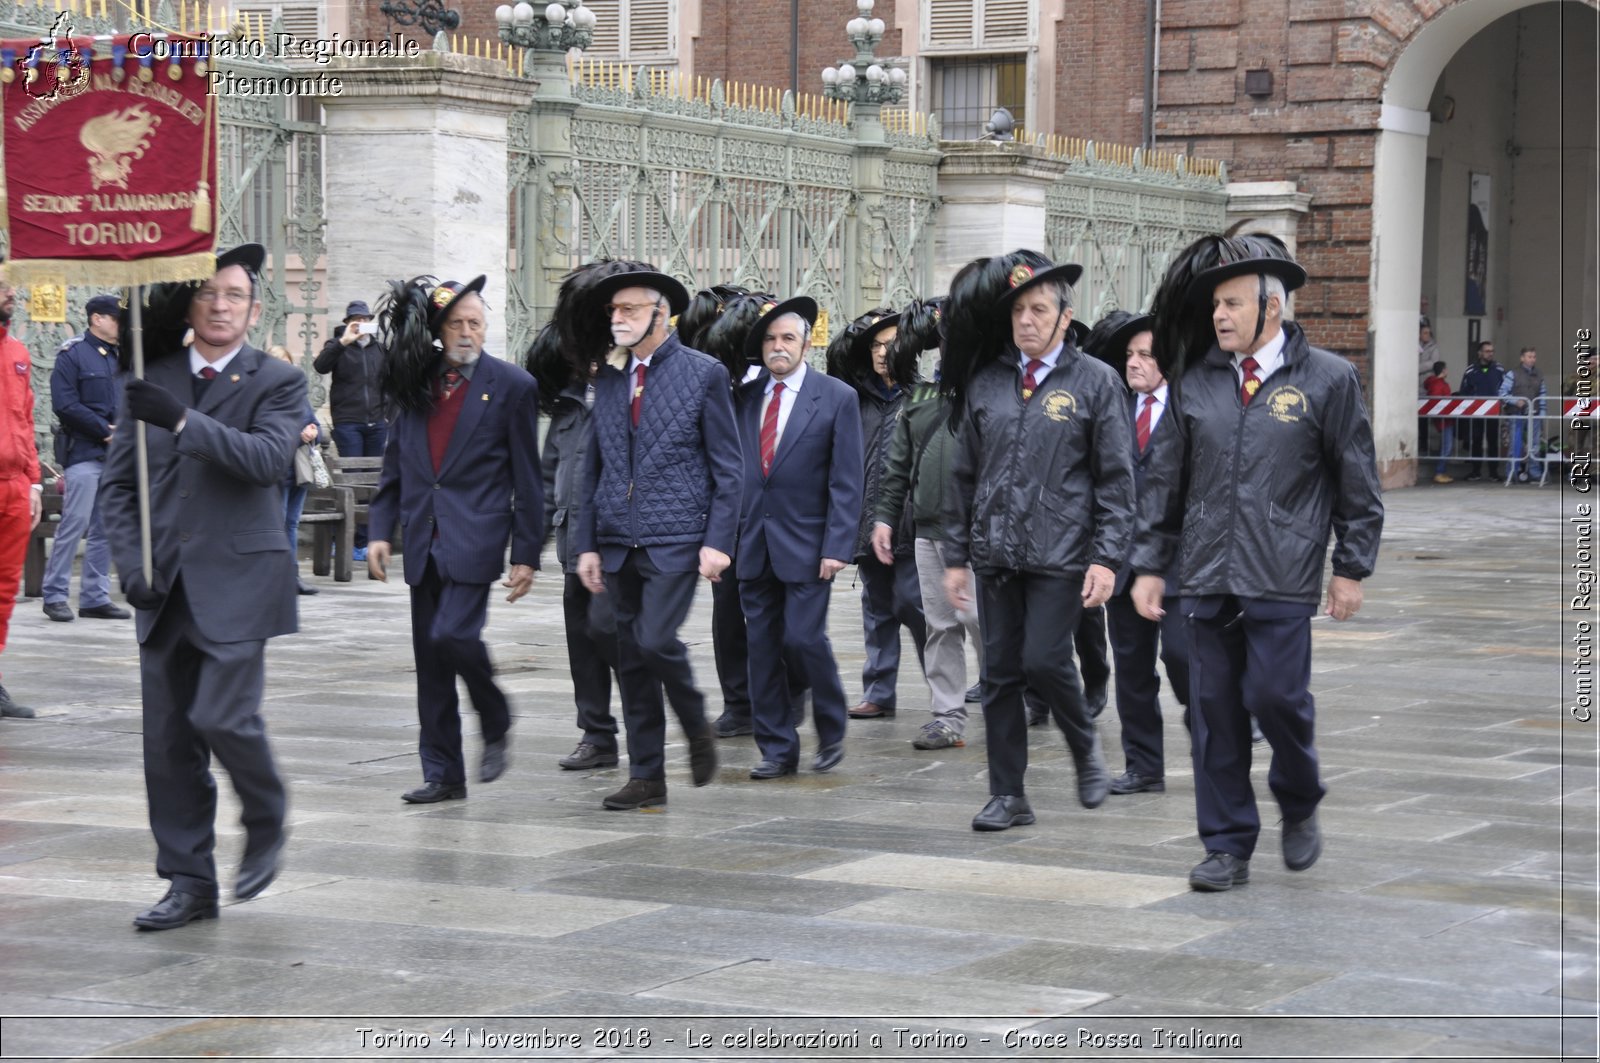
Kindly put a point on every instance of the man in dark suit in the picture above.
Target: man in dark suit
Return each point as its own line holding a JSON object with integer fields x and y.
{"x": 1125, "y": 342}
{"x": 801, "y": 435}
{"x": 224, "y": 419}
{"x": 460, "y": 477}
{"x": 659, "y": 506}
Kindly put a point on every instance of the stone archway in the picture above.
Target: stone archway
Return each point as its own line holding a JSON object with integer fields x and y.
{"x": 1398, "y": 211}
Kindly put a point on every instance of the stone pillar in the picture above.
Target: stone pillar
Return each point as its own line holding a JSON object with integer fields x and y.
{"x": 992, "y": 201}
{"x": 1272, "y": 207}
{"x": 415, "y": 169}
{"x": 870, "y": 280}
{"x": 1395, "y": 289}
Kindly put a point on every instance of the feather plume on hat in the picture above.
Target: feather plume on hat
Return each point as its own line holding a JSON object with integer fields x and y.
{"x": 726, "y": 337}
{"x": 850, "y": 360}
{"x": 410, "y": 366}
{"x": 548, "y": 364}
{"x": 704, "y": 308}
{"x": 1182, "y": 306}
{"x": 977, "y": 329}
{"x": 919, "y": 330}
{"x": 581, "y": 301}
{"x": 163, "y": 320}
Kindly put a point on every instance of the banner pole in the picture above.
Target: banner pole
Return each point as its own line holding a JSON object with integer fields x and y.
{"x": 141, "y": 454}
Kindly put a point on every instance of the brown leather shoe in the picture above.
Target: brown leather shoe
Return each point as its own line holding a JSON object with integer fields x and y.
{"x": 868, "y": 710}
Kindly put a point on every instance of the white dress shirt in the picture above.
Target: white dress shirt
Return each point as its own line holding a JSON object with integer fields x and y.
{"x": 791, "y": 391}
{"x": 1268, "y": 359}
{"x": 1049, "y": 361}
{"x": 197, "y": 363}
{"x": 1157, "y": 401}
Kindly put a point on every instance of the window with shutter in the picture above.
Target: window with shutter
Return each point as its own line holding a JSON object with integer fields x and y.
{"x": 1005, "y": 20}
{"x": 649, "y": 29}
{"x": 950, "y": 22}
{"x": 607, "y": 42}
{"x": 302, "y": 20}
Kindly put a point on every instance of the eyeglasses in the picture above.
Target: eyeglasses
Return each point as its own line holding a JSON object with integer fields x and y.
{"x": 628, "y": 309}
{"x": 232, "y": 296}
{"x": 878, "y": 347}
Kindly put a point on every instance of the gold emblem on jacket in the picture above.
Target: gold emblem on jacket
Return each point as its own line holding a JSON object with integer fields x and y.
{"x": 1286, "y": 404}
{"x": 1060, "y": 405}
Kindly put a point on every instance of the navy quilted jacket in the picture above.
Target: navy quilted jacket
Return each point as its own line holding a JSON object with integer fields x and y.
{"x": 676, "y": 478}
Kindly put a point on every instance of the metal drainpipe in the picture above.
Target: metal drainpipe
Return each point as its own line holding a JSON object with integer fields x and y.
{"x": 1152, "y": 54}
{"x": 794, "y": 47}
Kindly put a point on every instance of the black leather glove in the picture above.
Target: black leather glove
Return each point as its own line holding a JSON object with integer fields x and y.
{"x": 139, "y": 595}
{"x": 154, "y": 404}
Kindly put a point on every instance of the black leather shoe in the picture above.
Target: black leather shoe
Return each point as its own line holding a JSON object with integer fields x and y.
{"x": 496, "y": 756}
{"x": 107, "y": 611}
{"x": 176, "y": 909}
{"x": 60, "y": 612}
{"x": 703, "y": 757}
{"x": 1218, "y": 872}
{"x": 639, "y": 793}
{"x": 871, "y": 710}
{"x": 428, "y": 793}
{"x": 731, "y": 725}
{"x": 1094, "y": 779}
{"x": 257, "y": 872}
{"x": 1131, "y": 782}
{"x": 1302, "y": 843}
{"x": 588, "y": 756}
{"x": 302, "y": 587}
{"x": 1095, "y": 699}
{"x": 828, "y": 757}
{"x": 1003, "y": 812}
{"x": 771, "y": 769}
{"x": 12, "y": 709}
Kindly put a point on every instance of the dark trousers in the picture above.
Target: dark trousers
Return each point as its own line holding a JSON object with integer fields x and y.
{"x": 202, "y": 698}
{"x": 651, "y": 606}
{"x": 1134, "y": 643}
{"x": 1249, "y": 659}
{"x": 447, "y": 621}
{"x": 592, "y": 656}
{"x": 788, "y": 622}
{"x": 1089, "y": 639}
{"x": 731, "y": 646}
{"x": 1483, "y": 434}
{"x": 1027, "y": 623}
{"x": 361, "y": 441}
{"x": 890, "y": 597}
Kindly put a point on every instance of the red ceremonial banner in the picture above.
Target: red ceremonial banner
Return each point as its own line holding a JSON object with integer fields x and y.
{"x": 110, "y": 159}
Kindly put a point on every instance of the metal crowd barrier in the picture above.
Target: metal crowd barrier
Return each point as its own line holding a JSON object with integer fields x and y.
{"x": 1488, "y": 434}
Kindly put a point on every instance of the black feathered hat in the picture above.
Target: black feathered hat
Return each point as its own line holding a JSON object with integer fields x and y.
{"x": 977, "y": 321}
{"x": 704, "y": 308}
{"x": 1108, "y": 340}
{"x": 164, "y": 314}
{"x": 725, "y": 340}
{"x": 1029, "y": 269}
{"x": 803, "y": 305}
{"x": 640, "y": 275}
{"x": 446, "y": 295}
{"x": 920, "y": 329}
{"x": 1183, "y": 319}
{"x": 902, "y": 370}
{"x": 849, "y": 355}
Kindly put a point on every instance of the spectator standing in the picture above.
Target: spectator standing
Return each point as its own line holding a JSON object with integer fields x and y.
{"x": 1437, "y": 387}
{"x": 1482, "y": 380}
{"x": 1524, "y": 389}
{"x": 84, "y": 393}
{"x": 356, "y": 403}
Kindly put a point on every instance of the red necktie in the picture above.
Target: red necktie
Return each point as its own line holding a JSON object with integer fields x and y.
{"x": 1142, "y": 426}
{"x": 638, "y": 392}
{"x": 1030, "y": 383}
{"x": 452, "y": 380}
{"x": 208, "y": 373}
{"x": 1247, "y": 388}
{"x": 769, "y": 428}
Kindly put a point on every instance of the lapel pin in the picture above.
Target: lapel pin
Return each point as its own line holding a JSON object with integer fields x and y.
{"x": 234, "y": 377}
{"x": 485, "y": 396}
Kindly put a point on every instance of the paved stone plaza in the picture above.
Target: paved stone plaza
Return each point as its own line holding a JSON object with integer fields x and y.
{"x": 1453, "y": 914}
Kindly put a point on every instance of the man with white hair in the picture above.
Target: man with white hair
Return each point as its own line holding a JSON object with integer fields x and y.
{"x": 1272, "y": 450}
{"x": 660, "y": 499}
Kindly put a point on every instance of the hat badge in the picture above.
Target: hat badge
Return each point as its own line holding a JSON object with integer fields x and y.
{"x": 442, "y": 295}
{"x": 1020, "y": 274}
{"x": 767, "y": 306}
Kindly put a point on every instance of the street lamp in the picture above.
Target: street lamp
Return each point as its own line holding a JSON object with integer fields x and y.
{"x": 560, "y": 26}
{"x": 864, "y": 79}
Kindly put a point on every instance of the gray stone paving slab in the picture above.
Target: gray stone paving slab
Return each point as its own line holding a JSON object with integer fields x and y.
{"x": 1460, "y": 828}
{"x": 820, "y": 990}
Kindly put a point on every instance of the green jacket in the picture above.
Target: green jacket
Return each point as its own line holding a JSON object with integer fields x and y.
{"x": 920, "y": 452}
